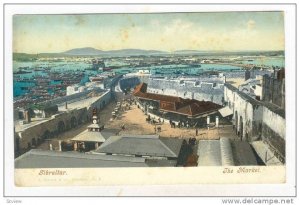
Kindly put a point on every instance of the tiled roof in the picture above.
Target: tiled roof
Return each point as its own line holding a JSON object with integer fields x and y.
{"x": 179, "y": 105}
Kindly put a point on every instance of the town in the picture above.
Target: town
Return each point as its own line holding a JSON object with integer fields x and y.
{"x": 150, "y": 110}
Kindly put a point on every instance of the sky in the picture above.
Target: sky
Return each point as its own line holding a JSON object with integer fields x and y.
{"x": 228, "y": 31}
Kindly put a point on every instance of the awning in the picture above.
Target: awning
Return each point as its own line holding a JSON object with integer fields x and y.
{"x": 226, "y": 111}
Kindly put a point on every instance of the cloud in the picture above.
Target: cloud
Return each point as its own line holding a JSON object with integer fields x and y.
{"x": 79, "y": 20}
{"x": 162, "y": 34}
{"x": 250, "y": 24}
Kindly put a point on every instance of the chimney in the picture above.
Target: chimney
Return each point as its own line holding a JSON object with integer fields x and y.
{"x": 27, "y": 116}
{"x": 59, "y": 145}
{"x": 217, "y": 121}
{"x": 208, "y": 120}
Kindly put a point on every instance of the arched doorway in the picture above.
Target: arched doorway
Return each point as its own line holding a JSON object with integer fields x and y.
{"x": 241, "y": 128}
{"x": 247, "y": 137}
{"x": 73, "y": 122}
{"x": 17, "y": 145}
{"x": 46, "y": 135}
{"x": 33, "y": 142}
{"x": 61, "y": 127}
{"x": 236, "y": 122}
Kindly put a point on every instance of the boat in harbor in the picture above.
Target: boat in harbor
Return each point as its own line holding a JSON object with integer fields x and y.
{"x": 97, "y": 78}
{"x": 140, "y": 73}
{"x": 97, "y": 64}
{"x": 22, "y": 71}
{"x": 195, "y": 65}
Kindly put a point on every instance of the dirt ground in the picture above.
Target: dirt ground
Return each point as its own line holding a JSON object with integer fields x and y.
{"x": 135, "y": 123}
{"x": 236, "y": 82}
{"x": 104, "y": 116}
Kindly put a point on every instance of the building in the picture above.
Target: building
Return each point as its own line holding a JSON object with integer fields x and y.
{"x": 273, "y": 88}
{"x": 55, "y": 159}
{"x": 225, "y": 152}
{"x": 247, "y": 74}
{"x": 175, "y": 108}
{"x": 255, "y": 120}
{"x": 128, "y": 82}
{"x": 208, "y": 87}
{"x": 252, "y": 87}
{"x": 77, "y": 111}
{"x": 93, "y": 136}
{"x": 151, "y": 147}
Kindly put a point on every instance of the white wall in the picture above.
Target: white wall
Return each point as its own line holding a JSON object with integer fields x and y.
{"x": 274, "y": 121}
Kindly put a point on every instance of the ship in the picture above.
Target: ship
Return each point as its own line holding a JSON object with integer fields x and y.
{"x": 98, "y": 78}
{"x": 22, "y": 70}
{"x": 98, "y": 64}
{"x": 195, "y": 65}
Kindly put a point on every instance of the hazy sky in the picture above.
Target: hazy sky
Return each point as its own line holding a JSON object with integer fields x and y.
{"x": 168, "y": 32}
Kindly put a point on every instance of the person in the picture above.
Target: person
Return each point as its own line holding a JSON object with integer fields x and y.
{"x": 196, "y": 131}
{"x": 159, "y": 129}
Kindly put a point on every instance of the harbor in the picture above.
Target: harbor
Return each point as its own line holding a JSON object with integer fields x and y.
{"x": 42, "y": 80}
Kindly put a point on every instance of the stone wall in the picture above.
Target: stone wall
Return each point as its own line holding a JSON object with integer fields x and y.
{"x": 256, "y": 120}
{"x": 59, "y": 123}
{"x": 210, "y": 90}
{"x": 273, "y": 91}
{"x": 129, "y": 82}
{"x": 100, "y": 103}
{"x": 246, "y": 113}
{"x": 274, "y": 132}
{"x": 51, "y": 127}
{"x": 73, "y": 97}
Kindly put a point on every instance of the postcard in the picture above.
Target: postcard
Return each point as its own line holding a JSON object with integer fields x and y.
{"x": 150, "y": 96}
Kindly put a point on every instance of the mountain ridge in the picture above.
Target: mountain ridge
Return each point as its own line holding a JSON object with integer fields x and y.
{"x": 94, "y": 51}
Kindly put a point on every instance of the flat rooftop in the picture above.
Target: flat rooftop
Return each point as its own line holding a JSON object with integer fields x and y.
{"x": 213, "y": 153}
{"x": 74, "y": 104}
{"x": 78, "y": 104}
{"x": 55, "y": 159}
{"x": 274, "y": 108}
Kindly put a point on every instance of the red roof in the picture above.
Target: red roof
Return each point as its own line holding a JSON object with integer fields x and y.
{"x": 176, "y": 104}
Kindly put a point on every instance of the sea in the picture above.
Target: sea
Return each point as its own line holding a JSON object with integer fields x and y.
{"x": 37, "y": 69}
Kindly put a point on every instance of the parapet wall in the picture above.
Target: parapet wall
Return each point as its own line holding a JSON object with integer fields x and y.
{"x": 51, "y": 127}
{"x": 274, "y": 132}
{"x": 72, "y": 97}
{"x": 246, "y": 114}
{"x": 101, "y": 102}
{"x": 192, "y": 89}
{"x": 58, "y": 123}
{"x": 255, "y": 120}
{"x": 274, "y": 91}
{"x": 129, "y": 82}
